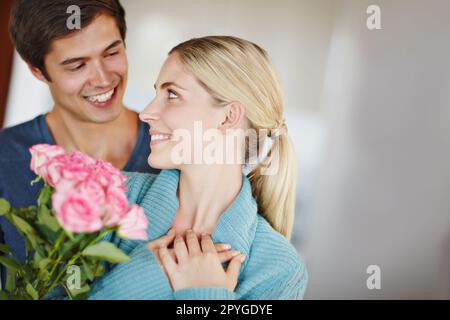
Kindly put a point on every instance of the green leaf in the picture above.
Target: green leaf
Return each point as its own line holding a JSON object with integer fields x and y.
{"x": 4, "y": 207}
{"x": 29, "y": 232}
{"x": 46, "y": 218}
{"x": 4, "y": 248}
{"x": 27, "y": 271}
{"x": 87, "y": 269}
{"x": 43, "y": 275}
{"x": 22, "y": 225}
{"x": 32, "y": 292}
{"x": 47, "y": 233}
{"x": 20, "y": 296}
{"x": 99, "y": 270}
{"x": 37, "y": 258}
{"x": 106, "y": 251}
{"x": 47, "y": 224}
{"x": 29, "y": 213}
{"x": 79, "y": 294}
{"x": 87, "y": 239}
{"x": 3, "y": 295}
{"x": 10, "y": 281}
{"x": 70, "y": 235}
{"x": 44, "y": 195}
{"x": 10, "y": 263}
{"x": 44, "y": 263}
{"x": 72, "y": 246}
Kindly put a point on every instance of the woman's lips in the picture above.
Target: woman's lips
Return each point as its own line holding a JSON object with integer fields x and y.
{"x": 158, "y": 137}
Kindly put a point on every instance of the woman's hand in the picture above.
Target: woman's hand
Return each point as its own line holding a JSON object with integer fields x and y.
{"x": 198, "y": 265}
{"x": 223, "y": 249}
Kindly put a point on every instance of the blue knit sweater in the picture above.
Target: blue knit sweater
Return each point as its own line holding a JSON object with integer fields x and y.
{"x": 272, "y": 269}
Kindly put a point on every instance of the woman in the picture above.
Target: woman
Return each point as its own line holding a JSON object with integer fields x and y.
{"x": 226, "y": 86}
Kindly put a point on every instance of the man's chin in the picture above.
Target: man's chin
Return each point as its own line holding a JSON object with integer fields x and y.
{"x": 102, "y": 116}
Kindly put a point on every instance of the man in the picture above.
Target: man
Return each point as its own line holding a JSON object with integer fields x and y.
{"x": 86, "y": 72}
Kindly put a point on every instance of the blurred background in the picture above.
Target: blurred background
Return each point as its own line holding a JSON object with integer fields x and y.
{"x": 368, "y": 110}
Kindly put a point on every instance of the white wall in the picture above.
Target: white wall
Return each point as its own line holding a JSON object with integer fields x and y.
{"x": 27, "y": 96}
{"x": 383, "y": 193}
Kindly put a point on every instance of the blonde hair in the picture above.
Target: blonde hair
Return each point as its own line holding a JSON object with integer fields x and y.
{"x": 233, "y": 69}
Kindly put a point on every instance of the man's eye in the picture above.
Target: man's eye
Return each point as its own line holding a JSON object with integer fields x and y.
{"x": 113, "y": 54}
{"x": 172, "y": 94}
{"x": 76, "y": 68}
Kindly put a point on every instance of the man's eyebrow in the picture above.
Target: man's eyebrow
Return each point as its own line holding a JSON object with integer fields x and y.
{"x": 114, "y": 44}
{"x": 167, "y": 84}
{"x": 71, "y": 60}
{"x": 78, "y": 59}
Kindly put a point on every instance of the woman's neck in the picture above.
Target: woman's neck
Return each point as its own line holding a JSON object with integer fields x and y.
{"x": 205, "y": 192}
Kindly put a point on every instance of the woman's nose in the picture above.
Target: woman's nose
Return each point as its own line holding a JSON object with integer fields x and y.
{"x": 150, "y": 113}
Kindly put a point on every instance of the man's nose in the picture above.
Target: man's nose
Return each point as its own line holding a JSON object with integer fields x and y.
{"x": 101, "y": 77}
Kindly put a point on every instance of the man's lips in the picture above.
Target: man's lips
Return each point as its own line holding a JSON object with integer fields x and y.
{"x": 103, "y": 99}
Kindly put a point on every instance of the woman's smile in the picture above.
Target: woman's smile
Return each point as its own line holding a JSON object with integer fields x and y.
{"x": 159, "y": 137}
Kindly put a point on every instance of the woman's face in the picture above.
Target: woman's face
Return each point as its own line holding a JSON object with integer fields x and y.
{"x": 180, "y": 105}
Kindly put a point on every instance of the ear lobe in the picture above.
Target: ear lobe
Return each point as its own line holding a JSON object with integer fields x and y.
{"x": 37, "y": 73}
{"x": 235, "y": 114}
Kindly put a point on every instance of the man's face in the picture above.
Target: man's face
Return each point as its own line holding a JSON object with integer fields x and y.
{"x": 88, "y": 72}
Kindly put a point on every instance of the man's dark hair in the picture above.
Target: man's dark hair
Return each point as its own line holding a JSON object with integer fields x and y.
{"x": 35, "y": 24}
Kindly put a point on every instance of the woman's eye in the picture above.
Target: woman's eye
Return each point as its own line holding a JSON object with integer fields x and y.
{"x": 172, "y": 94}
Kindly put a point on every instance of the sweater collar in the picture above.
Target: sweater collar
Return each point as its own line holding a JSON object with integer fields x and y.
{"x": 236, "y": 226}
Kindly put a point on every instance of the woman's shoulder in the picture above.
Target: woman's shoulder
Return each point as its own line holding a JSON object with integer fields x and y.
{"x": 269, "y": 240}
{"x": 274, "y": 269}
{"x": 138, "y": 184}
{"x": 279, "y": 260}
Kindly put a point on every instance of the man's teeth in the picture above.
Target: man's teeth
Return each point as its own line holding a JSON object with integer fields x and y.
{"x": 159, "y": 137}
{"x": 101, "y": 97}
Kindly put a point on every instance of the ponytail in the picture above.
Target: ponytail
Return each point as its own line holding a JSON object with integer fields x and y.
{"x": 274, "y": 186}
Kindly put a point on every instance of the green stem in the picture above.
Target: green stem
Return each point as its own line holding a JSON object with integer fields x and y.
{"x": 74, "y": 259}
{"x": 55, "y": 249}
{"x": 57, "y": 244}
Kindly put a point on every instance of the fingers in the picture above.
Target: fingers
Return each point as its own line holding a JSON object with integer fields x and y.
{"x": 234, "y": 267}
{"x": 163, "y": 241}
{"x": 167, "y": 260}
{"x": 192, "y": 243}
{"x": 208, "y": 245}
{"x": 180, "y": 249}
{"x": 227, "y": 255}
{"x": 222, "y": 247}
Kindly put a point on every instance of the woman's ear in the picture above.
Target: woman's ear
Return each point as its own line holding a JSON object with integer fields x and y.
{"x": 234, "y": 116}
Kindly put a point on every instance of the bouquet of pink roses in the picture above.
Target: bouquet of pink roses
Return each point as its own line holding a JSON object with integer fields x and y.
{"x": 81, "y": 202}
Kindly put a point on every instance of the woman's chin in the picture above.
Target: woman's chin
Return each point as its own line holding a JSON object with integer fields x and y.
{"x": 160, "y": 164}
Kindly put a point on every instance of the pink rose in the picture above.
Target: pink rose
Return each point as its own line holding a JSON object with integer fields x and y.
{"x": 40, "y": 155}
{"x": 63, "y": 172}
{"x": 134, "y": 225}
{"x": 81, "y": 157}
{"x": 109, "y": 176}
{"x": 93, "y": 189}
{"x": 116, "y": 207}
{"x": 76, "y": 212}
